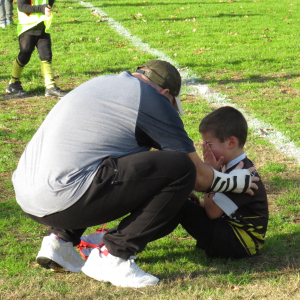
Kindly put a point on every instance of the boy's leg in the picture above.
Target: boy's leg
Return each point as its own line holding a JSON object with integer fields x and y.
{"x": 17, "y": 70}
{"x": 225, "y": 243}
{"x": 45, "y": 52}
{"x": 196, "y": 222}
{"x": 215, "y": 236}
{"x": 27, "y": 44}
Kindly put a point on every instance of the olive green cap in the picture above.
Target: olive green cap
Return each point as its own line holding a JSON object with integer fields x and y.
{"x": 166, "y": 76}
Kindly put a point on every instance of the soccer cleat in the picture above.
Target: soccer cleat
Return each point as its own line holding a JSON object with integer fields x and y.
{"x": 15, "y": 88}
{"x": 58, "y": 255}
{"x": 105, "y": 267}
{"x": 89, "y": 242}
{"x": 9, "y": 22}
{"x": 2, "y": 25}
{"x": 55, "y": 92}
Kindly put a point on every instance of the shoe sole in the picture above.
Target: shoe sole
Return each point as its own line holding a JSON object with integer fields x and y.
{"x": 15, "y": 93}
{"x": 48, "y": 263}
{"x": 48, "y": 95}
{"x": 53, "y": 261}
{"x": 118, "y": 283}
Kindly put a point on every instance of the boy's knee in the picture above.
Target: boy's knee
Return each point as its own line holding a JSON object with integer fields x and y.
{"x": 24, "y": 57}
{"x": 47, "y": 56}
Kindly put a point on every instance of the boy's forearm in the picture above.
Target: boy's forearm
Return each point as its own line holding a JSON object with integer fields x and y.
{"x": 213, "y": 211}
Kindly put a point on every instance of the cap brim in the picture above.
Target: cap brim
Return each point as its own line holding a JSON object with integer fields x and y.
{"x": 178, "y": 105}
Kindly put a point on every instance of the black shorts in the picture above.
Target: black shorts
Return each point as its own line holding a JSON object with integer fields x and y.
{"x": 28, "y": 43}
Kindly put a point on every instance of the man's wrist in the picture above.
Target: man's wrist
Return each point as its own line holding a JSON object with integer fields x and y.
{"x": 237, "y": 181}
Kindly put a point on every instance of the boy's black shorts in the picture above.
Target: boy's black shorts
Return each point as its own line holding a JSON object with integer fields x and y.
{"x": 28, "y": 43}
{"x": 214, "y": 236}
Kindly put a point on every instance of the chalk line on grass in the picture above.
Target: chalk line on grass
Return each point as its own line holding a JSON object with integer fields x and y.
{"x": 281, "y": 142}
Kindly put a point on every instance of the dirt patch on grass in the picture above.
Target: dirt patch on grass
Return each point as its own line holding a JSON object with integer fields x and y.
{"x": 28, "y": 104}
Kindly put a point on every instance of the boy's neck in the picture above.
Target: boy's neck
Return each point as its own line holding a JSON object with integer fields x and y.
{"x": 234, "y": 154}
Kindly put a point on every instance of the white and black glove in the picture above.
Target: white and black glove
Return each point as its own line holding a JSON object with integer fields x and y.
{"x": 237, "y": 181}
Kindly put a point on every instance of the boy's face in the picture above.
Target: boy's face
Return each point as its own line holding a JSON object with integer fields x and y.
{"x": 219, "y": 149}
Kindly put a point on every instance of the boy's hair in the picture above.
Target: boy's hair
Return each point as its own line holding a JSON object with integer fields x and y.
{"x": 225, "y": 122}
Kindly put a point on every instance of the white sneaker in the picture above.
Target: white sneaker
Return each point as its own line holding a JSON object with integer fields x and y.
{"x": 118, "y": 271}
{"x": 2, "y": 25}
{"x": 58, "y": 255}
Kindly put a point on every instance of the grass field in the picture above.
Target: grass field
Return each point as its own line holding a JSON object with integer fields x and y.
{"x": 246, "y": 50}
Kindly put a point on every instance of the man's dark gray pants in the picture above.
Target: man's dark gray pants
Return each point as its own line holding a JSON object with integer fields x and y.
{"x": 149, "y": 188}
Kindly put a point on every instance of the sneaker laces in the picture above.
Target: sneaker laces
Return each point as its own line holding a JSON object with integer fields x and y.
{"x": 85, "y": 245}
{"x": 102, "y": 229}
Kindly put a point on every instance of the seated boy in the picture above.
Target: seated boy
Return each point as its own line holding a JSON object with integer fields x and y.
{"x": 227, "y": 225}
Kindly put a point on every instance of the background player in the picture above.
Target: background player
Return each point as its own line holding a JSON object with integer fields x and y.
{"x": 33, "y": 30}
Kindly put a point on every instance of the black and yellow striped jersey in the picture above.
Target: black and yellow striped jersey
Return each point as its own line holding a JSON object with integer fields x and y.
{"x": 249, "y": 222}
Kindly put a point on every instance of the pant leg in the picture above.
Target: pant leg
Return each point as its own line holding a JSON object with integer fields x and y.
{"x": 2, "y": 11}
{"x": 151, "y": 187}
{"x": 9, "y": 9}
{"x": 69, "y": 235}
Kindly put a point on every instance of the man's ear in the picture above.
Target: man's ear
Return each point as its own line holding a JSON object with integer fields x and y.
{"x": 164, "y": 92}
{"x": 232, "y": 142}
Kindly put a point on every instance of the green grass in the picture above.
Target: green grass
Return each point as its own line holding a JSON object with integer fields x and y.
{"x": 227, "y": 49}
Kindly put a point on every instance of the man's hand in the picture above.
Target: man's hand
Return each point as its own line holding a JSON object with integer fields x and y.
{"x": 210, "y": 159}
{"x": 237, "y": 181}
{"x": 253, "y": 178}
{"x": 48, "y": 11}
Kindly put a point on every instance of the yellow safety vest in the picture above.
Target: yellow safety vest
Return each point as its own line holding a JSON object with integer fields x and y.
{"x": 27, "y": 21}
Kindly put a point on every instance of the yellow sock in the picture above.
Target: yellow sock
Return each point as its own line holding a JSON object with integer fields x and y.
{"x": 16, "y": 71}
{"x": 47, "y": 72}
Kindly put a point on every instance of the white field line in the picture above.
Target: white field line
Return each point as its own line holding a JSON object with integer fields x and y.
{"x": 281, "y": 142}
